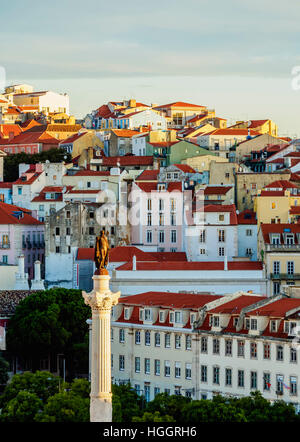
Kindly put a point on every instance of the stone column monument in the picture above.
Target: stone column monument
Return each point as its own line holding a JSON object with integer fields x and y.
{"x": 101, "y": 300}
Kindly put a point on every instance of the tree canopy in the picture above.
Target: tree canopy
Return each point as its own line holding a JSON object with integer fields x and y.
{"x": 50, "y": 322}
{"x": 11, "y": 162}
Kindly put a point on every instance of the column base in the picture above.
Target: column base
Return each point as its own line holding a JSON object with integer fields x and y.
{"x": 100, "y": 410}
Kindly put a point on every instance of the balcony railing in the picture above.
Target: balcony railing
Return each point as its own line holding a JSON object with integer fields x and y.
{"x": 5, "y": 245}
{"x": 285, "y": 276}
{"x": 282, "y": 247}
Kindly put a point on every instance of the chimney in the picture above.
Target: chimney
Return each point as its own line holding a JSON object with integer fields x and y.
{"x": 37, "y": 283}
{"x": 134, "y": 262}
{"x": 132, "y": 103}
{"x": 225, "y": 263}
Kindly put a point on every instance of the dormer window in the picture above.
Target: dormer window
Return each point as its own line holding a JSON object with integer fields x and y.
{"x": 126, "y": 313}
{"x": 147, "y": 314}
{"x": 289, "y": 327}
{"x": 161, "y": 187}
{"x": 253, "y": 324}
{"x": 178, "y": 317}
{"x": 289, "y": 238}
{"x": 162, "y": 316}
{"x": 192, "y": 318}
{"x": 215, "y": 321}
{"x": 235, "y": 321}
{"x": 247, "y": 323}
{"x": 275, "y": 238}
{"x": 273, "y": 326}
{"x": 141, "y": 314}
{"x": 171, "y": 317}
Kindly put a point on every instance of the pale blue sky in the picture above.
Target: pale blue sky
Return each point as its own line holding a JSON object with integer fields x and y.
{"x": 235, "y": 56}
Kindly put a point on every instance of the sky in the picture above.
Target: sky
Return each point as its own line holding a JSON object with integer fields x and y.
{"x": 234, "y": 56}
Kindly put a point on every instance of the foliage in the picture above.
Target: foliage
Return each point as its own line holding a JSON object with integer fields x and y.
{"x": 81, "y": 387}
{"x": 170, "y": 405}
{"x": 11, "y": 162}
{"x": 126, "y": 403}
{"x": 22, "y": 408}
{"x": 4, "y": 368}
{"x": 65, "y": 407}
{"x": 41, "y": 383}
{"x": 49, "y": 322}
{"x": 153, "y": 417}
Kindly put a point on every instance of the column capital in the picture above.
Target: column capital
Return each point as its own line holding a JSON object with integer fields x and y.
{"x": 101, "y": 301}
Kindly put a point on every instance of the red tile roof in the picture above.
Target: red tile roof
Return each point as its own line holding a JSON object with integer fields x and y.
{"x": 272, "y": 193}
{"x": 125, "y": 133}
{"x": 179, "y": 104}
{"x": 276, "y": 309}
{"x": 164, "y": 143}
{"x": 148, "y": 175}
{"x": 196, "y": 118}
{"x": 104, "y": 112}
{"x": 7, "y": 129}
{"x": 30, "y": 178}
{"x": 73, "y": 138}
{"x": 185, "y": 168}
{"x": 257, "y": 123}
{"x": 292, "y": 155}
{"x": 169, "y": 300}
{"x": 294, "y": 210}
{"x": 31, "y": 138}
{"x": 128, "y": 160}
{"x": 7, "y": 215}
{"x": 222, "y": 208}
{"x": 194, "y": 266}
{"x": 92, "y": 173}
{"x": 267, "y": 229}
{"x": 237, "y": 304}
{"x": 5, "y": 185}
{"x": 281, "y": 184}
{"x": 247, "y": 216}
{"x": 232, "y": 132}
{"x": 217, "y": 190}
{"x": 152, "y": 187}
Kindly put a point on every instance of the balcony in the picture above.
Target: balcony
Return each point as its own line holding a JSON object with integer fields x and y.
{"x": 285, "y": 276}
{"x": 5, "y": 245}
{"x": 282, "y": 247}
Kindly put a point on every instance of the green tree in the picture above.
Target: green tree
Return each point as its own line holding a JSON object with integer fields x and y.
{"x": 126, "y": 403}
{"x": 81, "y": 387}
{"x": 4, "y": 367}
{"x": 47, "y": 323}
{"x": 41, "y": 383}
{"x": 22, "y": 408}
{"x": 170, "y": 405}
{"x": 153, "y": 417}
{"x": 11, "y": 162}
{"x": 65, "y": 407}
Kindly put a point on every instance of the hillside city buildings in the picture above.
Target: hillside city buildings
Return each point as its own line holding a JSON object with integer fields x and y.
{"x": 203, "y": 223}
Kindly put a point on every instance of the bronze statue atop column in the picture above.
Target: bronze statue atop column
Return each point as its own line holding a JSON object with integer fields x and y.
{"x": 101, "y": 252}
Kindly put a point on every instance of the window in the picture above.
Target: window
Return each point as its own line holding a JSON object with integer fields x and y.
{"x": 241, "y": 348}
{"x": 137, "y": 337}
{"x": 149, "y": 219}
{"x": 91, "y": 231}
{"x": 173, "y": 219}
{"x": 241, "y": 380}
{"x": 177, "y": 341}
{"x": 253, "y": 324}
{"x": 161, "y": 219}
{"x": 202, "y": 251}
{"x": 293, "y": 355}
{"x": 216, "y": 346}
{"x": 273, "y": 326}
{"x": 157, "y": 367}
{"x": 247, "y": 323}
{"x": 253, "y": 350}
{"x": 267, "y": 351}
{"x": 188, "y": 371}
{"x": 167, "y": 340}
{"x": 253, "y": 379}
{"x": 216, "y": 375}
{"x": 267, "y": 383}
{"x": 279, "y": 353}
{"x": 167, "y": 369}
{"x": 290, "y": 267}
{"x": 147, "y": 314}
{"x": 228, "y": 376}
{"x": 57, "y": 231}
{"x": 126, "y": 313}
{"x": 228, "y": 347}
{"x": 203, "y": 345}
{"x": 216, "y": 321}
{"x": 161, "y": 204}
{"x": 221, "y": 217}
{"x": 248, "y": 232}
{"x": 68, "y": 231}
{"x": 177, "y": 369}
{"x": 202, "y": 236}
{"x": 178, "y": 318}
{"x": 188, "y": 342}
{"x": 137, "y": 364}
{"x": 276, "y": 287}
{"x": 221, "y": 235}
{"x": 161, "y": 236}
{"x": 147, "y": 392}
{"x": 68, "y": 214}
{"x": 121, "y": 362}
{"x": 221, "y": 251}
{"x": 156, "y": 390}
{"x": 147, "y": 365}
{"x": 293, "y": 386}
{"x": 147, "y": 338}
{"x": 161, "y": 316}
{"x": 279, "y": 383}
{"x": 57, "y": 250}
{"x": 171, "y": 317}
{"x": 203, "y": 373}
{"x": 157, "y": 339}
{"x": 122, "y": 335}
{"x": 149, "y": 236}
{"x": 137, "y": 389}
{"x": 149, "y": 204}
{"x": 141, "y": 314}
{"x": 173, "y": 236}
{"x": 276, "y": 267}
{"x": 5, "y": 259}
